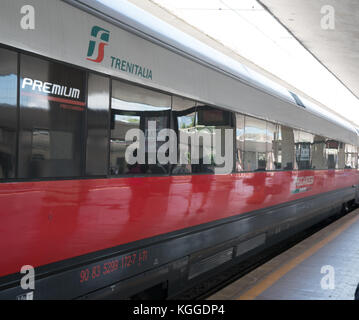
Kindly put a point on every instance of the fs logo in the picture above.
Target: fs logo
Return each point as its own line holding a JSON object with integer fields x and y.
{"x": 103, "y": 35}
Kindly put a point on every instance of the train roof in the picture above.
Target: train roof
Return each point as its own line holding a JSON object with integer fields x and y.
{"x": 144, "y": 24}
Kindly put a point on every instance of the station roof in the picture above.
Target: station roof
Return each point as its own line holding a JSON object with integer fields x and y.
{"x": 337, "y": 48}
{"x": 321, "y": 66}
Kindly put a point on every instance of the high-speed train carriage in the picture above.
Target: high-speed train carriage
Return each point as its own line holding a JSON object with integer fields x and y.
{"x": 85, "y": 223}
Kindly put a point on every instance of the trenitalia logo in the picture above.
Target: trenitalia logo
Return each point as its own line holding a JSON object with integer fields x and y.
{"x": 101, "y": 38}
{"x": 99, "y": 34}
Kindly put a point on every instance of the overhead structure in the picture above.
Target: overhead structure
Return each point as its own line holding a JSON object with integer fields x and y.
{"x": 293, "y": 60}
{"x": 328, "y": 29}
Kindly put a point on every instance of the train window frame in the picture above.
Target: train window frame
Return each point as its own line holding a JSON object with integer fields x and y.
{"x": 92, "y": 112}
{"x": 229, "y": 120}
{"x": 287, "y": 148}
{"x": 55, "y": 168}
{"x": 238, "y": 153}
{"x": 335, "y": 154}
{"x": 271, "y": 164}
{"x": 319, "y": 147}
{"x": 351, "y": 151}
{"x": 303, "y": 144}
{"x": 11, "y": 161}
{"x": 180, "y": 169}
{"x": 262, "y": 132}
{"x": 114, "y": 111}
{"x": 84, "y": 175}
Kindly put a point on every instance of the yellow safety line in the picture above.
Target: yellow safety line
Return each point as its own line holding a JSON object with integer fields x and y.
{"x": 276, "y": 275}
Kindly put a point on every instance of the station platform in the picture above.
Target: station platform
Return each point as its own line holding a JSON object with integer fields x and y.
{"x": 324, "y": 266}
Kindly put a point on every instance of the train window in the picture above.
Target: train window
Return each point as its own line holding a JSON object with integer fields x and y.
{"x": 273, "y": 146}
{"x": 286, "y": 148}
{"x": 255, "y": 133}
{"x": 98, "y": 115}
{"x": 341, "y": 155}
{"x": 280, "y": 147}
{"x": 319, "y": 158}
{"x": 52, "y": 113}
{"x": 8, "y": 117}
{"x": 212, "y": 122}
{"x": 351, "y": 157}
{"x": 303, "y": 149}
{"x": 197, "y": 126}
{"x": 240, "y": 125}
{"x": 184, "y": 116}
{"x": 332, "y": 154}
{"x": 135, "y": 152}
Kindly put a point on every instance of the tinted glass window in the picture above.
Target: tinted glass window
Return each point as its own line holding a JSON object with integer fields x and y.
{"x": 52, "y": 108}
{"x": 303, "y": 149}
{"x": 280, "y": 147}
{"x": 287, "y": 148}
{"x": 274, "y": 155}
{"x": 98, "y": 123}
{"x": 255, "y": 157}
{"x": 147, "y": 111}
{"x": 8, "y": 114}
{"x": 351, "y": 157}
{"x": 341, "y": 156}
{"x": 332, "y": 154}
{"x": 198, "y": 127}
{"x": 185, "y": 119}
{"x": 215, "y": 126}
{"x": 240, "y": 142}
{"x": 319, "y": 159}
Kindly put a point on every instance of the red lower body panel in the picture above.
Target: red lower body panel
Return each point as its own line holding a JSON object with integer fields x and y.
{"x": 49, "y": 221}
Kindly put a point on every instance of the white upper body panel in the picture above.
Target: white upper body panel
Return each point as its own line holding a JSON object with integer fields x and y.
{"x": 179, "y": 64}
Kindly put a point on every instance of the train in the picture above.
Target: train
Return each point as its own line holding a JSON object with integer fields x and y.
{"x": 79, "y": 222}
